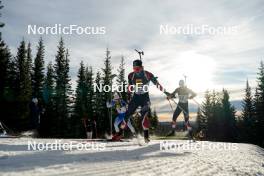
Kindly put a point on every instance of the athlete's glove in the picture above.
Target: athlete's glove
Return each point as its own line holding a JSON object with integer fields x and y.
{"x": 191, "y": 97}
{"x": 167, "y": 94}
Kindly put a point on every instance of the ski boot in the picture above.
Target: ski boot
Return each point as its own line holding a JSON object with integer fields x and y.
{"x": 173, "y": 130}
{"x": 134, "y": 135}
{"x": 188, "y": 126}
{"x": 147, "y": 140}
{"x": 146, "y": 136}
{"x": 118, "y": 136}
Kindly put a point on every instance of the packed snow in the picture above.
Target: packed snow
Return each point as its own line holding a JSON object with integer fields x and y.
{"x": 182, "y": 157}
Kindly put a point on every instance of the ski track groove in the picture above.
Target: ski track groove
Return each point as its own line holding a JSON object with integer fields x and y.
{"x": 127, "y": 158}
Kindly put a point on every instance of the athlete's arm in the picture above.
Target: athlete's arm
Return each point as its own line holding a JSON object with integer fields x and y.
{"x": 130, "y": 83}
{"x": 193, "y": 94}
{"x": 173, "y": 94}
{"x": 110, "y": 104}
{"x": 154, "y": 80}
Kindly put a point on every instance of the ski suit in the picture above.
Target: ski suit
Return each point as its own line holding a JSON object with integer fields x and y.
{"x": 120, "y": 107}
{"x": 138, "y": 83}
{"x": 184, "y": 94}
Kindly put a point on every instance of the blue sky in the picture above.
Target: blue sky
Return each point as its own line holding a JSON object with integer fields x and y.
{"x": 209, "y": 61}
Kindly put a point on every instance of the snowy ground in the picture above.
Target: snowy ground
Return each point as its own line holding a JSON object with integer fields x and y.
{"x": 128, "y": 158}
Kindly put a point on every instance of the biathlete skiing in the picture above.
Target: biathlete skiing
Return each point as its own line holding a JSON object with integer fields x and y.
{"x": 138, "y": 94}
{"x": 121, "y": 106}
{"x": 184, "y": 94}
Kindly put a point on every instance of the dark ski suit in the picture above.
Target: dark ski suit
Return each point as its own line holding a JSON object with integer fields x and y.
{"x": 184, "y": 94}
{"x": 140, "y": 97}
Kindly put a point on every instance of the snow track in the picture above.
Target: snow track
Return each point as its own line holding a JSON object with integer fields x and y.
{"x": 127, "y": 158}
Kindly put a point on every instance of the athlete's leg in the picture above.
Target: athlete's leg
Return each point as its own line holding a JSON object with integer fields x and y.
{"x": 176, "y": 113}
{"x": 130, "y": 126}
{"x": 185, "y": 112}
{"x": 89, "y": 135}
{"x": 144, "y": 116}
{"x": 186, "y": 116}
{"x": 145, "y": 120}
{"x": 132, "y": 106}
{"x": 118, "y": 120}
{"x": 175, "y": 116}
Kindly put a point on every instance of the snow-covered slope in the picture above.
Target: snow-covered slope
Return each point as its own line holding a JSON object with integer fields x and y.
{"x": 127, "y": 158}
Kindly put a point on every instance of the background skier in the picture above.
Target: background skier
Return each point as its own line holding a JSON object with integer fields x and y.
{"x": 35, "y": 112}
{"x": 89, "y": 125}
{"x": 184, "y": 94}
{"x": 120, "y": 106}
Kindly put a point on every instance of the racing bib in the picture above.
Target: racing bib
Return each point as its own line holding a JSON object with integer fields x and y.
{"x": 183, "y": 98}
{"x": 139, "y": 86}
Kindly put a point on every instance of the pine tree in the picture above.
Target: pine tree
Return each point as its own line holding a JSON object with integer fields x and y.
{"x": 62, "y": 90}
{"x": 247, "y": 116}
{"x": 6, "y": 85}
{"x": 23, "y": 85}
{"x": 48, "y": 124}
{"x": 217, "y": 117}
{"x": 256, "y": 103}
{"x": 121, "y": 79}
{"x": 38, "y": 74}
{"x": 217, "y": 122}
{"x": 68, "y": 89}
{"x": 90, "y": 93}
{"x": 154, "y": 120}
{"x": 99, "y": 106}
{"x": 22, "y": 72}
{"x": 229, "y": 119}
{"x": 11, "y": 91}
{"x": 80, "y": 103}
{"x": 207, "y": 113}
{"x": 201, "y": 121}
{"x": 10, "y": 95}
{"x": 81, "y": 92}
{"x": 259, "y": 105}
{"x": 107, "y": 81}
{"x": 48, "y": 88}
{"x": 248, "y": 110}
{"x": 1, "y": 23}
{"x": 5, "y": 58}
{"x": 29, "y": 69}
{"x": 4, "y": 61}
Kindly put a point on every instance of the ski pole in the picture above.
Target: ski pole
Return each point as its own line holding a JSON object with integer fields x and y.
{"x": 110, "y": 113}
{"x": 196, "y": 102}
{"x": 179, "y": 106}
{"x": 170, "y": 105}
